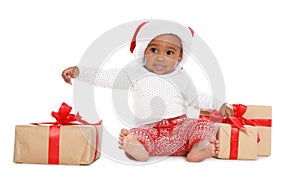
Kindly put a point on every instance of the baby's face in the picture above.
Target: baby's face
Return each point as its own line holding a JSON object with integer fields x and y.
{"x": 163, "y": 53}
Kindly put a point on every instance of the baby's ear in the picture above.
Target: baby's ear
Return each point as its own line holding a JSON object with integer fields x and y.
{"x": 180, "y": 57}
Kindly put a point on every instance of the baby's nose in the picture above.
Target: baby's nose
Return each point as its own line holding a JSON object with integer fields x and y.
{"x": 160, "y": 58}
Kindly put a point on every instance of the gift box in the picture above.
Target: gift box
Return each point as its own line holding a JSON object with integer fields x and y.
{"x": 262, "y": 117}
{"x": 70, "y": 140}
{"x": 258, "y": 117}
{"x": 76, "y": 145}
{"x": 236, "y": 143}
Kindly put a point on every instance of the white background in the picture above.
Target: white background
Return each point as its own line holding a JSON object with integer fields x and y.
{"x": 255, "y": 42}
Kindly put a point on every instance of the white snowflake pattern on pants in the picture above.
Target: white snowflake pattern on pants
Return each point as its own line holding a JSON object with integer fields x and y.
{"x": 174, "y": 136}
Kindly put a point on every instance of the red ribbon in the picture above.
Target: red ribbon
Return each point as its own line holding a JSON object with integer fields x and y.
{"x": 53, "y": 145}
{"x": 63, "y": 117}
{"x": 234, "y": 143}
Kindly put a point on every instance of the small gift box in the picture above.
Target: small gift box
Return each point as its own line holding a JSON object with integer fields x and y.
{"x": 236, "y": 143}
{"x": 69, "y": 140}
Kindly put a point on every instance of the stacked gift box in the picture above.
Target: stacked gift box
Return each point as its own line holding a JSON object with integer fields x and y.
{"x": 69, "y": 140}
{"x": 246, "y": 134}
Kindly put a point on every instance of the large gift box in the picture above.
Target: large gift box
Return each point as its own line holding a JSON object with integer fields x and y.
{"x": 69, "y": 140}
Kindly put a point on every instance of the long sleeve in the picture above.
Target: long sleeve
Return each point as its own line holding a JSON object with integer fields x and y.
{"x": 199, "y": 100}
{"x": 204, "y": 101}
{"x": 113, "y": 78}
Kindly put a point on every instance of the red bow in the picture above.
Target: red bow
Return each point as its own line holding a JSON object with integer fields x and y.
{"x": 63, "y": 117}
{"x": 237, "y": 120}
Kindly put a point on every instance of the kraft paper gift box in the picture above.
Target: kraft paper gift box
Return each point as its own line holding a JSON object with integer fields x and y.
{"x": 235, "y": 143}
{"x": 77, "y": 144}
{"x": 262, "y": 117}
{"x": 69, "y": 140}
{"x": 255, "y": 115}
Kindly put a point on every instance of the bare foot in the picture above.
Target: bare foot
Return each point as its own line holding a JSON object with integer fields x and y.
{"x": 132, "y": 146}
{"x": 196, "y": 154}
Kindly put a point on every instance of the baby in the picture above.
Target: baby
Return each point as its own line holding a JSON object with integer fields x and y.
{"x": 162, "y": 91}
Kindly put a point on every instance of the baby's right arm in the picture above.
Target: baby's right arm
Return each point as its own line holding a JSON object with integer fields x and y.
{"x": 71, "y": 72}
{"x": 113, "y": 78}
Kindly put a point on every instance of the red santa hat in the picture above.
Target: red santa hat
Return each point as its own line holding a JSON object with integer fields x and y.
{"x": 148, "y": 30}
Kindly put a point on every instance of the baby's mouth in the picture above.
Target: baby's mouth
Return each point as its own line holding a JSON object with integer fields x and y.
{"x": 159, "y": 67}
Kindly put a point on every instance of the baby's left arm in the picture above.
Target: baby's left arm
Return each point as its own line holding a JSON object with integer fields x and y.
{"x": 207, "y": 103}
{"x": 202, "y": 101}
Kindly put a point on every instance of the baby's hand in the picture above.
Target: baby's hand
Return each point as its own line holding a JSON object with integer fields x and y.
{"x": 226, "y": 110}
{"x": 69, "y": 73}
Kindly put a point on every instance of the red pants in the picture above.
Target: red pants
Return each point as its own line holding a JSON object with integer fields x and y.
{"x": 174, "y": 136}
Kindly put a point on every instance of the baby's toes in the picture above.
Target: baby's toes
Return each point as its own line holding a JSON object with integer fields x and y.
{"x": 216, "y": 152}
{"x": 121, "y": 144}
{"x": 217, "y": 141}
{"x": 124, "y": 132}
{"x": 217, "y": 148}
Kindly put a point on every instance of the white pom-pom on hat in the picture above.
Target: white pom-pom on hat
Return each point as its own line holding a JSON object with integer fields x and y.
{"x": 148, "y": 30}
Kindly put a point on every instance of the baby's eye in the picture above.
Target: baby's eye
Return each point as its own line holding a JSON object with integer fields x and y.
{"x": 154, "y": 50}
{"x": 170, "y": 52}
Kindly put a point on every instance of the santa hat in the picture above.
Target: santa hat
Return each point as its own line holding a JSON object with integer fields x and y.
{"x": 148, "y": 30}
